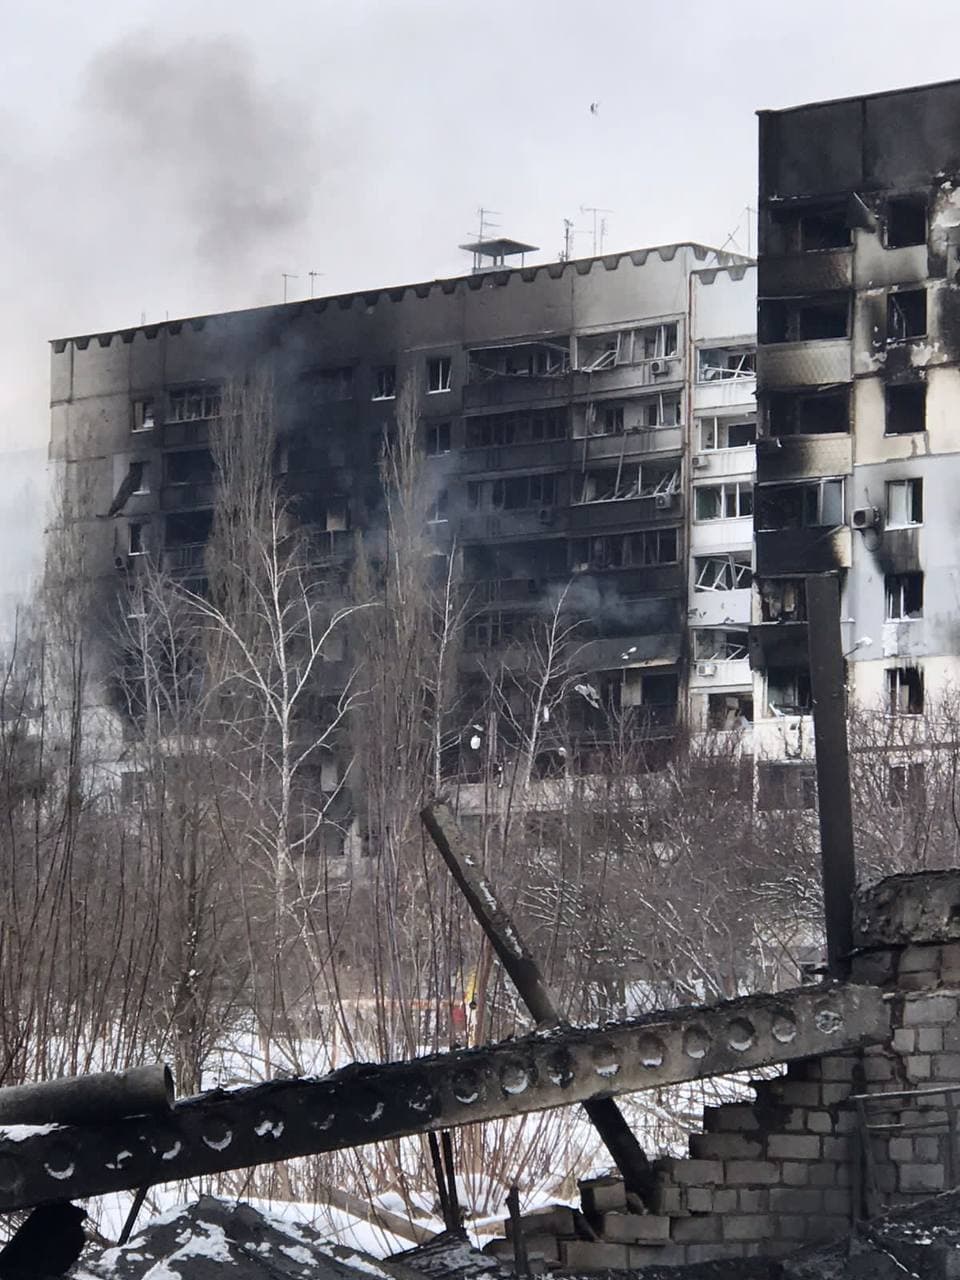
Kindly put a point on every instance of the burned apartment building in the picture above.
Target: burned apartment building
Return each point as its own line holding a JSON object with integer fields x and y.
{"x": 858, "y": 455}
{"x": 557, "y": 405}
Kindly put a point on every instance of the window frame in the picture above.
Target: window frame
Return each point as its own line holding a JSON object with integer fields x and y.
{"x": 913, "y": 499}
{"x": 899, "y": 590}
{"x": 724, "y": 489}
{"x": 443, "y": 366}
{"x": 386, "y": 374}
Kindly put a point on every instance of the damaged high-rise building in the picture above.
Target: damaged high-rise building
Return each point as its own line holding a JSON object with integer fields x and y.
{"x": 587, "y": 423}
{"x": 858, "y": 384}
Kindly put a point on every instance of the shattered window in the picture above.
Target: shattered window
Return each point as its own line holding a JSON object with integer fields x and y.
{"x": 711, "y": 645}
{"x": 904, "y": 593}
{"x": 720, "y": 364}
{"x": 192, "y": 404}
{"x": 726, "y": 433}
{"x": 143, "y": 415}
{"x": 788, "y": 691}
{"x": 723, "y": 501}
{"x": 906, "y": 408}
{"x": 438, "y": 374}
{"x": 904, "y": 503}
{"x": 906, "y": 314}
{"x": 729, "y": 572}
{"x": 800, "y": 506}
{"x": 385, "y": 382}
{"x": 905, "y": 691}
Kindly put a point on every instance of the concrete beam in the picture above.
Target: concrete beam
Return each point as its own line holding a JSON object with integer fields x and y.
{"x": 361, "y": 1104}
{"x": 903, "y": 910}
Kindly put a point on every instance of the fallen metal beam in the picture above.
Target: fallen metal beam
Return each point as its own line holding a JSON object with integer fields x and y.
{"x": 275, "y": 1121}
{"x": 87, "y": 1099}
{"x": 496, "y": 922}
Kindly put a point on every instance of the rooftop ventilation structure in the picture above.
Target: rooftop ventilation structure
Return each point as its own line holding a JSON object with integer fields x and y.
{"x": 492, "y": 254}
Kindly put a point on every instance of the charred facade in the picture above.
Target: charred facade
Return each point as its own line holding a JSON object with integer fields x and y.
{"x": 858, "y": 391}
{"x": 556, "y": 403}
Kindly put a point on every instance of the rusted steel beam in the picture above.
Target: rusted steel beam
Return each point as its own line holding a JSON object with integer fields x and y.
{"x": 828, "y": 689}
{"x": 497, "y": 923}
{"x": 361, "y": 1104}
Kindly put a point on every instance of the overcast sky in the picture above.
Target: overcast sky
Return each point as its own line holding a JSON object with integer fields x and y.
{"x": 176, "y": 157}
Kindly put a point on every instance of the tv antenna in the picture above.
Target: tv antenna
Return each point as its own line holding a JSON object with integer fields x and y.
{"x": 287, "y": 275}
{"x": 314, "y": 276}
{"x": 599, "y": 225}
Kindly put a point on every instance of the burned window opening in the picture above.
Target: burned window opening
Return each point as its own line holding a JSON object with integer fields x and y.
{"x": 596, "y": 352}
{"x": 438, "y": 439}
{"x": 907, "y": 785}
{"x": 622, "y": 551}
{"x": 193, "y": 404}
{"x": 904, "y": 503}
{"x": 522, "y": 427}
{"x": 824, "y": 228}
{"x": 906, "y": 315}
{"x": 788, "y": 691}
{"x": 905, "y": 691}
{"x": 783, "y": 600}
{"x": 904, "y": 596}
{"x": 439, "y": 370}
{"x": 726, "y": 711}
{"x": 385, "y": 382}
{"x": 810, "y": 505}
{"x": 730, "y": 572}
{"x": 906, "y": 408}
{"x": 786, "y": 786}
{"x": 438, "y": 511}
{"x": 809, "y": 413}
{"x": 189, "y": 466}
{"x": 661, "y": 410}
{"x": 804, "y": 320}
{"x": 519, "y": 360}
{"x": 906, "y": 222}
{"x": 144, "y": 415}
{"x": 726, "y": 433}
{"x": 723, "y": 501}
{"x": 137, "y": 538}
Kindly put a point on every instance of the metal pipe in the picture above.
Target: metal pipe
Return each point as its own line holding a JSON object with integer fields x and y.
{"x": 140, "y": 1091}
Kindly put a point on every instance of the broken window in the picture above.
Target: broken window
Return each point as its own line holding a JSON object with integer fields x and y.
{"x": 335, "y": 384}
{"x": 336, "y": 516}
{"x": 727, "y": 711}
{"x": 438, "y": 374}
{"x": 906, "y": 221}
{"x": 385, "y": 382}
{"x": 661, "y": 410}
{"x": 824, "y": 228}
{"x": 713, "y": 645}
{"x": 633, "y": 480}
{"x": 517, "y": 428}
{"x": 190, "y": 466}
{"x": 906, "y": 408}
{"x": 788, "y": 691}
{"x": 144, "y": 418}
{"x": 783, "y": 600}
{"x": 597, "y": 351}
{"x": 612, "y": 419}
{"x": 786, "y": 786}
{"x": 811, "y": 505}
{"x": 519, "y": 492}
{"x": 904, "y": 503}
{"x": 717, "y": 364}
{"x": 726, "y": 433}
{"x": 729, "y": 572}
{"x": 905, "y": 691}
{"x": 141, "y": 477}
{"x": 488, "y": 631}
{"x": 907, "y": 785}
{"x": 439, "y": 508}
{"x": 438, "y": 439}
{"x": 904, "y": 593}
{"x": 617, "y": 551}
{"x": 191, "y": 404}
{"x": 805, "y": 320}
{"x": 137, "y": 538}
{"x": 518, "y": 360}
{"x": 808, "y": 413}
{"x": 723, "y": 501}
{"x": 906, "y": 314}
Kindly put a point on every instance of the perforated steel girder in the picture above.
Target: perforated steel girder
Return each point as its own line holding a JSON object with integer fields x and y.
{"x": 274, "y": 1121}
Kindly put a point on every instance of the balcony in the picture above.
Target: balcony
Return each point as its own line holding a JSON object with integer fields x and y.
{"x": 651, "y": 375}
{"x": 725, "y": 673}
{"x": 186, "y": 497}
{"x": 528, "y": 456}
{"x": 494, "y": 525}
{"x": 725, "y": 462}
{"x": 803, "y": 457}
{"x": 193, "y": 431}
{"x": 513, "y": 392}
{"x": 778, "y": 644}
{"x": 804, "y": 364}
{"x": 722, "y": 534}
{"x": 630, "y": 444}
{"x": 625, "y": 513}
{"x": 814, "y": 550}
{"x": 184, "y": 560}
{"x": 720, "y": 608}
{"x": 804, "y": 273}
{"x": 726, "y": 393}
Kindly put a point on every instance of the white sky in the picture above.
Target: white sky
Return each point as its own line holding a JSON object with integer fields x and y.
{"x": 176, "y": 157}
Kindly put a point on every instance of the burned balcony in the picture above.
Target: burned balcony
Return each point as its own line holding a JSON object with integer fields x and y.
{"x": 645, "y": 355}
{"x": 188, "y": 466}
{"x": 514, "y": 506}
{"x": 807, "y": 413}
{"x": 804, "y": 319}
{"x": 185, "y": 539}
{"x": 523, "y": 439}
{"x": 627, "y": 493}
{"x": 800, "y": 527}
{"x": 789, "y": 691}
{"x": 518, "y": 371}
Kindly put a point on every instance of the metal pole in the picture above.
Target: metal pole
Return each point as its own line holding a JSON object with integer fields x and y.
{"x": 605, "y": 1115}
{"x": 828, "y": 691}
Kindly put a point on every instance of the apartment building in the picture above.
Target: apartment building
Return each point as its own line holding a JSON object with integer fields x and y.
{"x": 858, "y": 455}
{"x": 557, "y": 406}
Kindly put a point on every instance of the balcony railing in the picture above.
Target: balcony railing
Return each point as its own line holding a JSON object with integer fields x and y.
{"x": 183, "y": 558}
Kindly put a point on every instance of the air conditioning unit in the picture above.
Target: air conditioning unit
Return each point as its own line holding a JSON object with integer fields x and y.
{"x": 706, "y": 668}
{"x": 866, "y": 518}
{"x": 700, "y": 462}
{"x": 659, "y": 367}
{"x": 663, "y": 501}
